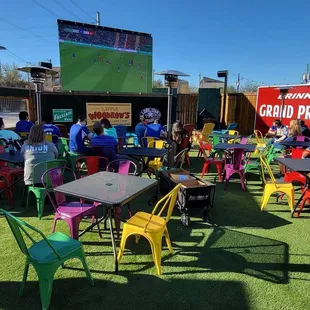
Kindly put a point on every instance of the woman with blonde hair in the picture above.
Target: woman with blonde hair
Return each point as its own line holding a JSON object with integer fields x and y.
{"x": 294, "y": 129}
{"x": 36, "y": 150}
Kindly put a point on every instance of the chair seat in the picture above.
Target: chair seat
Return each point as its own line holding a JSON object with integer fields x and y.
{"x": 72, "y": 209}
{"x": 11, "y": 170}
{"x": 63, "y": 244}
{"x": 280, "y": 184}
{"x": 140, "y": 219}
{"x": 231, "y": 166}
{"x": 214, "y": 160}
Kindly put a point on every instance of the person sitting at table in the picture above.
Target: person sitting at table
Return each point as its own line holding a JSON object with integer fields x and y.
{"x": 7, "y": 134}
{"x": 280, "y": 135}
{"x": 140, "y": 129}
{"x": 106, "y": 144}
{"x": 155, "y": 130}
{"x": 51, "y": 129}
{"x": 78, "y": 133}
{"x": 36, "y": 150}
{"x": 272, "y": 130}
{"x": 304, "y": 128}
{"x": 294, "y": 130}
{"x": 108, "y": 129}
{"x": 23, "y": 125}
{"x": 178, "y": 134}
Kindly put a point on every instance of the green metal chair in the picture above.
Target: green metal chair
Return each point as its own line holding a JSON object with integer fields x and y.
{"x": 40, "y": 192}
{"x": 63, "y": 148}
{"x": 45, "y": 254}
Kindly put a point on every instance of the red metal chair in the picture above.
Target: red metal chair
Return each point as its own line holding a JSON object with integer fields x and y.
{"x": 4, "y": 188}
{"x": 88, "y": 165}
{"x": 9, "y": 174}
{"x": 183, "y": 146}
{"x": 189, "y": 128}
{"x": 204, "y": 146}
{"x": 71, "y": 212}
{"x": 218, "y": 162}
{"x": 293, "y": 176}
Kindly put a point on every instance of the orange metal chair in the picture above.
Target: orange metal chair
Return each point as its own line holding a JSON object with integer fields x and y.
{"x": 151, "y": 226}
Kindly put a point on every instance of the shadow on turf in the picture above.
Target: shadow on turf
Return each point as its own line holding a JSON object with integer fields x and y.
{"x": 139, "y": 292}
{"x": 224, "y": 251}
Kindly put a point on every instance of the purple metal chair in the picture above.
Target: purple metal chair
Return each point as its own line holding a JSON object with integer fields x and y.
{"x": 71, "y": 212}
{"x": 234, "y": 163}
{"x": 244, "y": 140}
{"x": 127, "y": 167}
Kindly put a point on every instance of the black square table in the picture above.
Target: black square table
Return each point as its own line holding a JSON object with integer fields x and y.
{"x": 140, "y": 153}
{"x": 293, "y": 144}
{"x": 111, "y": 190}
{"x": 298, "y": 165}
{"x": 224, "y": 136}
{"x": 15, "y": 158}
{"x": 224, "y": 146}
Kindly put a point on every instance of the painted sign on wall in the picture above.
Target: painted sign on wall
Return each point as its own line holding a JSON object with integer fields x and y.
{"x": 116, "y": 113}
{"x": 62, "y": 115}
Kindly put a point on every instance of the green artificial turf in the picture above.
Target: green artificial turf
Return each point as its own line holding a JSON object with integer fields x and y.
{"x": 246, "y": 260}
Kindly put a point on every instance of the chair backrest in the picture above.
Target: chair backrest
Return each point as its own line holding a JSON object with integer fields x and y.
{"x": 189, "y": 128}
{"x": 63, "y": 130}
{"x": 19, "y": 229}
{"x": 55, "y": 177}
{"x": 121, "y": 130}
{"x": 301, "y": 138}
{"x": 63, "y": 147}
{"x": 23, "y": 134}
{"x": 51, "y": 138}
{"x": 233, "y": 132}
{"x": 202, "y": 149}
{"x": 265, "y": 167}
{"x": 235, "y": 156}
{"x": 158, "y": 144}
{"x": 93, "y": 164}
{"x": 297, "y": 153}
{"x": 168, "y": 202}
{"x": 122, "y": 166}
{"x": 179, "y": 159}
{"x": 146, "y": 140}
{"x": 185, "y": 143}
{"x": 40, "y": 168}
{"x": 259, "y": 137}
{"x": 232, "y": 126}
{"x": 207, "y": 129}
{"x": 244, "y": 140}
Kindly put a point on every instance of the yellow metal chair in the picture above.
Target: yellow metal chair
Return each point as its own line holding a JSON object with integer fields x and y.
{"x": 274, "y": 186}
{"x": 156, "y": 163}
{"x": 260, "y": 141}
{"x": 49, "y": 138}
{"x": 232, "y": 133}
{"x": 146, "y": 140}
{"x": 204, "y": 133}
{"x": 151, "y": 226}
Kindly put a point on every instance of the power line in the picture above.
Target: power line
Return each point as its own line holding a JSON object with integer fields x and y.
{"x": 56, "y": 1}
{"x": 82, "y": 9}
{"x": 45, "y": 8}
{"x": 16, "y": 56}
{"x": 23, "y": 29}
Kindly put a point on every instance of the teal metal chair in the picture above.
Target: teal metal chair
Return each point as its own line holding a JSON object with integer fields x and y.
{"x": 40, "y": 192}
{"x": 45, "y": 255}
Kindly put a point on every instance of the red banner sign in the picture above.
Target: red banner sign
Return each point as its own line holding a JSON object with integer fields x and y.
{"x": 269, "y": 106}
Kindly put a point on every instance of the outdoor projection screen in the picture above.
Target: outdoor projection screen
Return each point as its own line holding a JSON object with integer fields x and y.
{"x": 95, "y": 58}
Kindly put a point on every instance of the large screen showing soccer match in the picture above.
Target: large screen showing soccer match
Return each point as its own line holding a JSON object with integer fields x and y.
{"x": 95, "y": 58}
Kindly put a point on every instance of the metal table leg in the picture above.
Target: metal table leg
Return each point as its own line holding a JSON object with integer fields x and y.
{"x": 302, "y": 195}
{"x": 112, "y": 239}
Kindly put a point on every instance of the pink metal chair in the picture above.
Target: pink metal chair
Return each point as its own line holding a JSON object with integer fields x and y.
{"x": 234, "y": 163}
{"x": 127, "y": 167}
{"x": 244, "y": 140}
{"x": 71, "y": 212}
{"x": 301, "y": 138}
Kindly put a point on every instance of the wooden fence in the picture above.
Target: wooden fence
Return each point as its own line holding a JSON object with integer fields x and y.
{"x": 187, "y": 108}
{"x": 240, "y": 108}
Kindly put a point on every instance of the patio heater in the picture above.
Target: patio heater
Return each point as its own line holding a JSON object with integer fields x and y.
{"x": 224, "y": 74}
{"x": 283, "y": 92}
{"x": 171, "y": 80}
{"x": 38, "y": 76}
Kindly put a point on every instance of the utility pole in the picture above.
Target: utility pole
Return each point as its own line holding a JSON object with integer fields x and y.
{"x": 199, "y": 77}
{"x": 305, "y": 76}
{"x": 238, "y": 83}
{"x": 98, "y": 19}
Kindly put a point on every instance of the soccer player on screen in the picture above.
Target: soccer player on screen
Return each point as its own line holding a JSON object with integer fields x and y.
{"x": 118, "y": 68}
{"x": 141, "y": 77}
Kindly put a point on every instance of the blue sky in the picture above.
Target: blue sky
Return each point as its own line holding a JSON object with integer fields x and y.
{"x": 266, "y": 41}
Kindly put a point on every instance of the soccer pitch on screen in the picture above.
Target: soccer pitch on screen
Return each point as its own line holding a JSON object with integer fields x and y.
{"x": 94, "y": 58}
